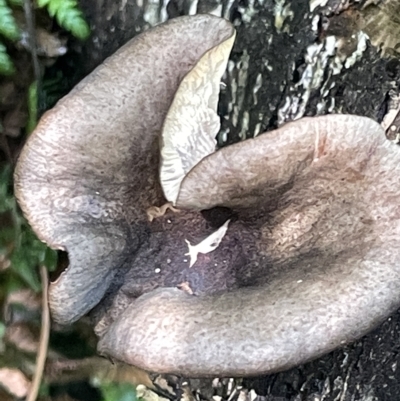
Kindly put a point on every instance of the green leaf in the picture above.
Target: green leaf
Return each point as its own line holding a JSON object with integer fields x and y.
{"x": 2, "y": 330}
{"x": 119, "y": 392}
{"x": 42, "y": 3}
{"x": 6, "y": 65}
{"x": 5, "y": 176}
{"x": 8, "y": 26}
{"x": 44, "y": 390}
{"x": 32, "y": 107}
{"x": 50, "y": 259}
{"x": 53, "y": 6}
{"x": 68, "y": 16}
{"x": 66, "y": 10}
{"x": 6, "y": 236}
{"x": 25, "y": 270}
{"x": 78, "y": 27}
{"x": 14, "y": 283}
{"x": 17, "y": 240}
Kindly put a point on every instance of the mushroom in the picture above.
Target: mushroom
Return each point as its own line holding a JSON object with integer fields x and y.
{"x": 309, "y": 259}
{"x": 89, "y": 172}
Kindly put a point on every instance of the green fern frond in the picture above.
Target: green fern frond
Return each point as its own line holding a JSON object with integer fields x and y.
{"x": 68, "y": 16}
{"x": 8, "y": 26}
{"x": 6, "y": 65}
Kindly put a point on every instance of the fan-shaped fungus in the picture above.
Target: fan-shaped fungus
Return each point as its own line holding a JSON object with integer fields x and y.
{"x": 308, "y": 262}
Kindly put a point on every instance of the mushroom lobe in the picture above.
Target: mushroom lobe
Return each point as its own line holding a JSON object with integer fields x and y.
{"x": 89, "y": 172}
{"x": 322, "y": 193}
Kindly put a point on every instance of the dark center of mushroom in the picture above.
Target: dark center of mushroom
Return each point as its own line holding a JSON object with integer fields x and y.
{"x": 287, "y": 237}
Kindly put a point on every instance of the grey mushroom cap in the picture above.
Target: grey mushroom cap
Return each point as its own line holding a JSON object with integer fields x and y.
{"x": 90, "y": 170}
{"x": 331, "y": 236}
{"x": 308, "y": 262}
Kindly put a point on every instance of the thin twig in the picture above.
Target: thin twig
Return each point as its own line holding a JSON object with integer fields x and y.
{"x": 30, "y": 24}
{"x": 44, "y": 338}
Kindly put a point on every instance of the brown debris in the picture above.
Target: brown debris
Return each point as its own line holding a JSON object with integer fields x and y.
{"x": 15, "y": 382}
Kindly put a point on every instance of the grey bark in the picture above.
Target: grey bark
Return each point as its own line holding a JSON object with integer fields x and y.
{"x": 284, "y": 65}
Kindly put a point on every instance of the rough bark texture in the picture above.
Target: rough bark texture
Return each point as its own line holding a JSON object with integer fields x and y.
{"x": 288, "y": 62}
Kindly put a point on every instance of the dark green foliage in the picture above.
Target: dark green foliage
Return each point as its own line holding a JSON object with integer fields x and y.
{"x": 68, "y": 16}
{"x": 66, "y": 12}
{"x": 118, "y": 392}
{"x": 54, "y": 87}
{"x": 18, "y": 243}
{"x": 32, "y": 107}
{"x": 8, "y": 25}
{"x": 9, "y": 29}
{"x": 6, "y": 65}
